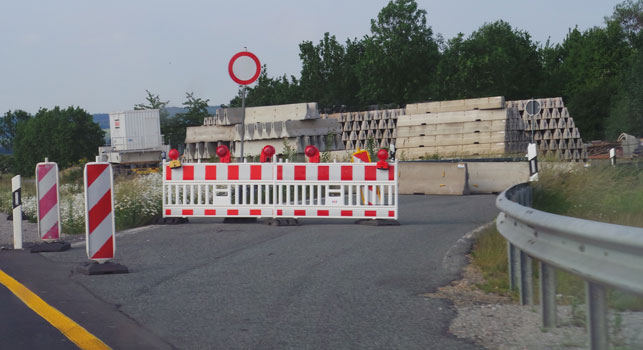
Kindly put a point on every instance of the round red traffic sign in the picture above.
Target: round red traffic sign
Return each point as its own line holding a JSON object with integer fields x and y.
{"x": 244, "y": 68}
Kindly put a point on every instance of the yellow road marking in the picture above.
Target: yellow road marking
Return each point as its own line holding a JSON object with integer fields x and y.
{"x": 72, "y": 330}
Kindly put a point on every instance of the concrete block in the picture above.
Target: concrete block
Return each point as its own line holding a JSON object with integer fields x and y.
{"x": 209, "y": 133}
{"x": 495, "y": 177}
{"x": 456, "y": 105}
{"x": 490, "y": 149}
{"x": 296, "y": 111}
{"x": 452, "y": 128}
{"x": 433, "y": 178}
{"x": 452, "y": 139}
{"x": 453, "y": 117}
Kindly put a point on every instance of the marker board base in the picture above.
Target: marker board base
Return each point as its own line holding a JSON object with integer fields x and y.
{"x": 50, "y": 247}
{"x": 107, "y": 268}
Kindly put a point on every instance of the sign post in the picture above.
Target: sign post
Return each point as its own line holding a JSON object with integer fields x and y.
{"x": 532, "y": 108}
{"x": 244, "y": 68}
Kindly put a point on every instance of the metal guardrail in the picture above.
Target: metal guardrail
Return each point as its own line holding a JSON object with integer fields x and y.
{"x": 604, "y": 255}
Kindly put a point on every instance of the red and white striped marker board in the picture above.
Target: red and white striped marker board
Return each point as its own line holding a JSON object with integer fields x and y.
{"x": 99, "y": 210}
{"x": 48, "y": 199}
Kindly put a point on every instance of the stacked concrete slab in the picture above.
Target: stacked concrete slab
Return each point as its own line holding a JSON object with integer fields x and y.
{"x": 553, "y": 128}
{"x": 471, "y": 127}
{"x": 360, "y": 128}
{"x": 298, "y": 124}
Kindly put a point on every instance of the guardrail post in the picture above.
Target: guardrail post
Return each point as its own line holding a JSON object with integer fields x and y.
{"x": 526, "y": 280}
{"x": 596, "y": 300}
{"x": 547, "y": 295}
{"x": 514, "y": 265}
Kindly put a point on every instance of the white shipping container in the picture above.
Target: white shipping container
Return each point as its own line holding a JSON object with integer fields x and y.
{"x": 133, "y": 130}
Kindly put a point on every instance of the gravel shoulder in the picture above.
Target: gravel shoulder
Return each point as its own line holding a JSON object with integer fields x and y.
{"x": 497, "y": 322}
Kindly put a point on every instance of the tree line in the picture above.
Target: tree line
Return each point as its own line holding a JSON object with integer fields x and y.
{"x": 598, "y": 71}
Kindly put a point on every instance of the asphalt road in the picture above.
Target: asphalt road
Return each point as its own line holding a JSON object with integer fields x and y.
{"x": 322, "y": 285}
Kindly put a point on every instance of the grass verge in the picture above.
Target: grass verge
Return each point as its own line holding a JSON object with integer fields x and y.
{"x": 599, "y": 193}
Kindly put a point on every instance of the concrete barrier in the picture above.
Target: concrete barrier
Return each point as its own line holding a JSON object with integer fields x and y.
{"x": 433, "y": 178}
{"x": 456, "y": 105}
{"x": 460, "y": 178}
{"x": 495, "y": 177}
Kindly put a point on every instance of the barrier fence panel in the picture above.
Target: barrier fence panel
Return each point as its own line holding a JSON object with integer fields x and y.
{"x": 289, "y": 190}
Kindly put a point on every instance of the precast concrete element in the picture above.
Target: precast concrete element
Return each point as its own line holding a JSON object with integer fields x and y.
{"x": 495, "y": 177}
{"x": 456, "y": 105}
{"x": 475, "y": 132}
{"x": 376, "y": 128}
{"x": 210, "y": 133}
{"x": 298, "y": 124}
{"x": 433, "y": 178}
{"x": 553, "y": 129}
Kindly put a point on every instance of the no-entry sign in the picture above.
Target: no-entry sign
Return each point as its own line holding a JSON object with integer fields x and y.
{"x": 244, "y": 68}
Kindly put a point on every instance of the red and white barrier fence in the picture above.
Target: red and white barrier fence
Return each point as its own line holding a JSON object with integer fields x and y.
{"x": 274, "y": 190}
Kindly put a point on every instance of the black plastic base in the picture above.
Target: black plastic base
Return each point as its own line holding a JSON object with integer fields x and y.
{"x": 281, "y": 222}
{"x": 46, "y": 247}
{"x": 107, "y": 268}
{"x": 377, "y": 222}
{"x": 239, "y": 220}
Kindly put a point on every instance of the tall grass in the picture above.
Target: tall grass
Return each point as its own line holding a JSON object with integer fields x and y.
{"x": 600, "y": 193}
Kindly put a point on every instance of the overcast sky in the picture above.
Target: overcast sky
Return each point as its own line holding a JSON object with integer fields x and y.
{"x": 102, "y": 55}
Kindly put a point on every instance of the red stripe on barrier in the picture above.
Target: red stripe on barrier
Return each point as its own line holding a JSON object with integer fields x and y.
{"x": 322, "y": 173}
{"x": 347, "y": 213}
{"x": 47, "y": 201}
{"x": 322, "y": 213}
{"x": 391, "y": 173}
{"x": 94, "y": 171}
{"x": 300, "y": 172}
{"x": 187, "y": 212}
{"x": 233, "y": 211}
{"x": 255, "y": 172}
{"x": 347, "y": 173}
{"x": 52, "y": 233}
{"x": 280, "y": 212}
{"x": 106, "y": 251}
{"x": 370, "y": 213}
{"x": 233, "y": 172}
{"x": 300, "y": 213}
{"x": 210, "y": 172}
{"x": 43, "y": 170}
{"x": 188, "y": 172}
{"x": 280, "y": 172}
{"x": 391, "y": 213}
{"x": 210, "y": 212}
{"x": 168, "y": 173}
{"x": 168, "y": 212}
{"x": 370, "y": 173}
{"x": 255, "y": 212}
{"x": 100, "y": 211}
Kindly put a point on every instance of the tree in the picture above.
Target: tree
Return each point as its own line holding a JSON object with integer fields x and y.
{"x": 592, "y": 62}
{"x": 65, "y": 136}
{"x": 8, "y": 126}
{"x": 269, "y": 91}
{"x": 174, "y": 128}
{"x": 495, "y": 60}
{"x": 400, "y": 56}
{"x": 328, "y": 73}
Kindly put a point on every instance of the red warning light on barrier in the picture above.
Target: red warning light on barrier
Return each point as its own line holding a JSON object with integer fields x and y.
{"x": 382, "y": 155}
{"x": 312, "y": 153}
{"x": 174, "y": 159}
{"x": 266, "y": 153}
{"x": 224, "y": 154}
